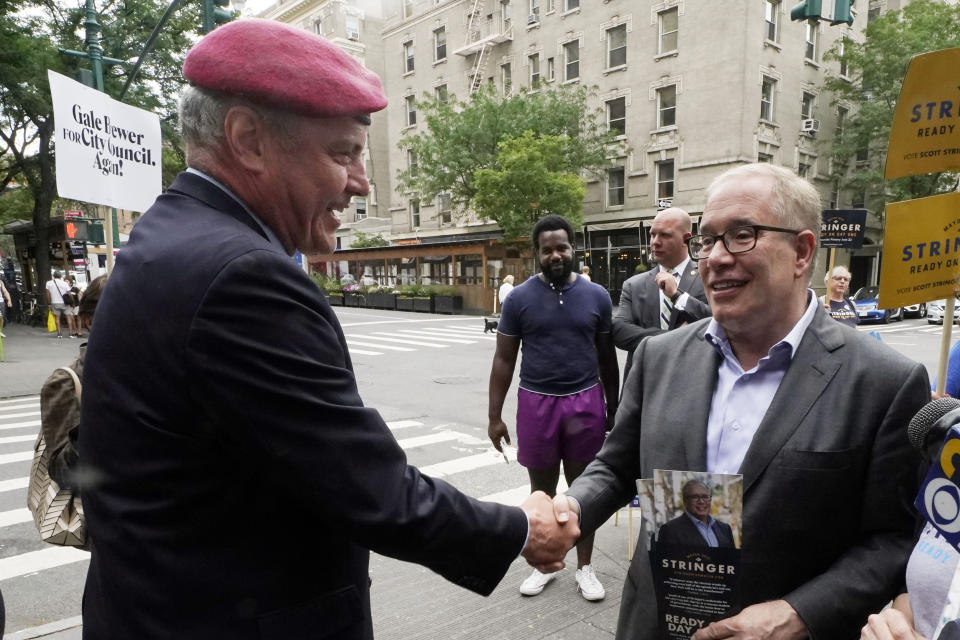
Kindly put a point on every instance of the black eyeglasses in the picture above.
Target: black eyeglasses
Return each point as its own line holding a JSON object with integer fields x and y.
{"x": 736, "y": 240}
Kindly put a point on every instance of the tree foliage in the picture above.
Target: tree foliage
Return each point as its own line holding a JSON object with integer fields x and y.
{"x": 30, "y": 33}
{"x": 363, "y": 240}
{"x": 875, "y": 72}
{"x": 463, "y": 138}
{"x": 531, "y": 177}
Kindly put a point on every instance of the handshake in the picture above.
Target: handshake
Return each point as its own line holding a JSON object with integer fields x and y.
{"x": 554, "y": 529}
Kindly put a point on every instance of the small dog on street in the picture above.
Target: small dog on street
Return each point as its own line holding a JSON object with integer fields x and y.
{"x": 490, "y": 324}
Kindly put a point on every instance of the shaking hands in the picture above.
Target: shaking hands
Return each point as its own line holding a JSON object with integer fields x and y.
{"x": 554, "y": 529}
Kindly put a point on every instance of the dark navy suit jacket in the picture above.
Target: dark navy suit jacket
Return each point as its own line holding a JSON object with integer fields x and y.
{"x": 235, "y": 480}
{"x": 682, "y": 531}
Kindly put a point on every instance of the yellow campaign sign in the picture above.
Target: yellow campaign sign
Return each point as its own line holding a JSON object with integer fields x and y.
{"x": 921, "y": 251}
{"x": 925, "y": 135}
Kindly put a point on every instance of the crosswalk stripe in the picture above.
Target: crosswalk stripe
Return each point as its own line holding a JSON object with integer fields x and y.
{"x": 15, "y": 516}
{"x": 432, "y": 336}
{"x": 434, "y": 438}
{"x": 14, "y": 484}
{"x": 19, "y": 456}
{"x": 19, "y": 407}
{"x": 457, "y": 332}
{"x": 403, "y": 424}
{"x": 364, "y": 353}
{"x": 414, "y": 342}
{"x": 20, "y": 425}
{"x": 20, "y": 400}
{"x": 29, "y": 414}
{"x": 514, "y": 497}
{"x": 34, "y": 561}
{"x": 458, "y": 465}
{"x": 388, "y": 347}
{"x": 12, "y": 439}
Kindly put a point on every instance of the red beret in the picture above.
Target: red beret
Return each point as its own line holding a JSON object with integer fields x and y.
{"x": 280, "y": 66}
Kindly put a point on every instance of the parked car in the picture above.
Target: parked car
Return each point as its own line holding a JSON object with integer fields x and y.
{"x": 865, "y": 300}
{"x": 915, "y": 310}
{"x": 936, "y": 310}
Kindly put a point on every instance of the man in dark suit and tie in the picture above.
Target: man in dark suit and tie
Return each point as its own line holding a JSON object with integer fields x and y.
{"x": 812, "y": 414}
{"x": 234, "y": 481}
{"x": 695, "y": 527}
{"x": 666, "y": 296}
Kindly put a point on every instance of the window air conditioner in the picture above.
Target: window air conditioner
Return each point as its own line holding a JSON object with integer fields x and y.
{"x": 810, "y": 125}
{"x": 532, "y": 18}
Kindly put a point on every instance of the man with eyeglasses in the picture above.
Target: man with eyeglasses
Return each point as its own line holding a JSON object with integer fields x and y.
{"x": 665, "y": 297}
{"x": 812, "y": 415}
{"x": 835, "y": 302}
{"x": 695, "y": 527}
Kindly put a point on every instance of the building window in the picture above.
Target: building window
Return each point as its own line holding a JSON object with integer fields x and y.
{"x": 534, "y": 64}
{"x": 667, "y": 106}
{"x": 360, "y": 205}
{"x": 551, "y": 72}
{"x": 841, "y": 49}
{"x": 806, "y": 105}
{"x": 772, "y": 14}
{"x": 859, "y": 199}
{"x": 669, "y": 25}
{"x": 571, "y": 60}
{"x": 506, "y": 78}
{"x": 806, "y": 166}
{"x": 415, "y": 213}
{"x": 412, "y": 168}
{"x": 863, "y": 157}
{"x": 617, "y": 115}
{"x": 408, "y": 56}
{"x": 872, "y": 14}
{"x": 440, "y": 44}
{"x": 440, "y": 93}
{"x": 813, "y": 37}
{"x": 407, "y": 8}
{"x": 534, "y": 16}
{"x": 550, "y": 6}
{"x": 411, "y": 102}
{"x": 444, "y": 214}
{"x": 841, "y": 121}
{"x": 665, "y": 180}
{"x": 572, "y": 4}
{"x": 835, "y": 196}
{"x": 353, "y": 27}
{"x": 617, "y": 46}
{"x": 764, "y": 157}
{"x": 615, "y": 187}
{"x": 767, "y": 90}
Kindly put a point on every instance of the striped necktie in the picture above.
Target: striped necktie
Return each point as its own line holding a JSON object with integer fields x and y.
{"x": 666, "y": 307}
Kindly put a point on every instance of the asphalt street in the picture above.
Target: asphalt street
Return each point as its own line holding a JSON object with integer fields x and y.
{"x": 427, "y": 375}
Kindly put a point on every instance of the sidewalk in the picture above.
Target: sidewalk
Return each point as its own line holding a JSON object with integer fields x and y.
{"x": 31, "y": 354}
{"x": 410, "y": 602}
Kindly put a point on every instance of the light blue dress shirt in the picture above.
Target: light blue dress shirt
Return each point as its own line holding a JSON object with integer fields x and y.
{"x": 705, "y": 529}
{"x": 742, "y": 398}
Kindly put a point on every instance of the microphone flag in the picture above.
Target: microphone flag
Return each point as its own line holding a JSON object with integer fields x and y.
{"x": 939, "y": 497}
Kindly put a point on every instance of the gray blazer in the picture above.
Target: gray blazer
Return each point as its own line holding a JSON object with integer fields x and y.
{"x": 828, "y": 487}
{"x": 638, "y": 315}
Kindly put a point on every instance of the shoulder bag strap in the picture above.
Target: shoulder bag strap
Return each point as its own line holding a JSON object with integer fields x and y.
{"x": 76, "y": 380}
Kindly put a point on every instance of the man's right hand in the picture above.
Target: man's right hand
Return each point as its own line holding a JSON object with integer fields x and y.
{"x": 497, "y": 431}
{"x": 548, "y": 540}
{"x": 889, "y": 623}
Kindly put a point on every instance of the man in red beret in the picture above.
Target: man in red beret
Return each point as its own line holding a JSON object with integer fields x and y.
{"x": 235, "y": 480}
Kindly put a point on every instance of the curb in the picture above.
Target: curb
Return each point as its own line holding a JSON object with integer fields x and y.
{"x": 46, "y": 630}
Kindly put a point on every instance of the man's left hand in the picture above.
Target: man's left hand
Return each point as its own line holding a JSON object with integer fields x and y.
{"x": 667, "y": 283}
{"x": 769, "y": 620}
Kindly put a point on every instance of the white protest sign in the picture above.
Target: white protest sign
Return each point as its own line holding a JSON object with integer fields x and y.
{"x": 107, "y": 152}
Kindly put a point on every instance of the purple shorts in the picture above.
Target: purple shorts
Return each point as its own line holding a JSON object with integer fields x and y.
{"x": 555, "y": 428}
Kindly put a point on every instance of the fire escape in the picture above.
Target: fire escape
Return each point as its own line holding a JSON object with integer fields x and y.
{"x": 484, "y": 32}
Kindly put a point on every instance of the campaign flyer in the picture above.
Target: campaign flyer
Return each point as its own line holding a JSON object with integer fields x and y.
{"x": 695, "y": 548}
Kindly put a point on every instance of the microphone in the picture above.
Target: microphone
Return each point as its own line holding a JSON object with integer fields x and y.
{"x": 929, "y": 427}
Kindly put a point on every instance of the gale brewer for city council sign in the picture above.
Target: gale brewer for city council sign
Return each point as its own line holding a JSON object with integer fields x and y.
{"x": 921, "y": 253}
{"x": 107, "y": 152}
{"x": 925, "y": 135}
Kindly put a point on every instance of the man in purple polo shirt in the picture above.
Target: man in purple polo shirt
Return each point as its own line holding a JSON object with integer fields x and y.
{"x": 563, "y": 322}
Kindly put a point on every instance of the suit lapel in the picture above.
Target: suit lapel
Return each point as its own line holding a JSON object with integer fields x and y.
{"x": 813, "y": 367}
{"x": 685, "y": 283}
{"x": 651, "y": 303}
{"x": 702, "y": 361}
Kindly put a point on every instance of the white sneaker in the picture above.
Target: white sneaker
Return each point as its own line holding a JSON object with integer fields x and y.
{"x": 588, "y": 585}
{"x": 536, "y": 582}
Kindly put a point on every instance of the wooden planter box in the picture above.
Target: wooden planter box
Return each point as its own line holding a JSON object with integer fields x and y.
{"x": 379, "y": 300}
{"x": 448, "y": 304}
{"x": 404, "y": 303}
{"x": 353, "y": 299}
{"x": 423, "y": 304}
{"x": 335, "y": 298}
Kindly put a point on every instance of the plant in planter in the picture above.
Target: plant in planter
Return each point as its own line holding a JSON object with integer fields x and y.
{"x": 353, "y": 296}
{"x": 447, "y": 299}
{"x": 381, "y": 298}
{"x": 330, "y": 288}
{"x": 410, "y": 298}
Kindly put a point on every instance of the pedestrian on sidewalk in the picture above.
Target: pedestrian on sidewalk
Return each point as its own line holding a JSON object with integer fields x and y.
{"x": 237, "y": 481}
{"x": 569, "y": 367}
{"x": 5, "y": 303}
{"x": 55, "y": 290}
